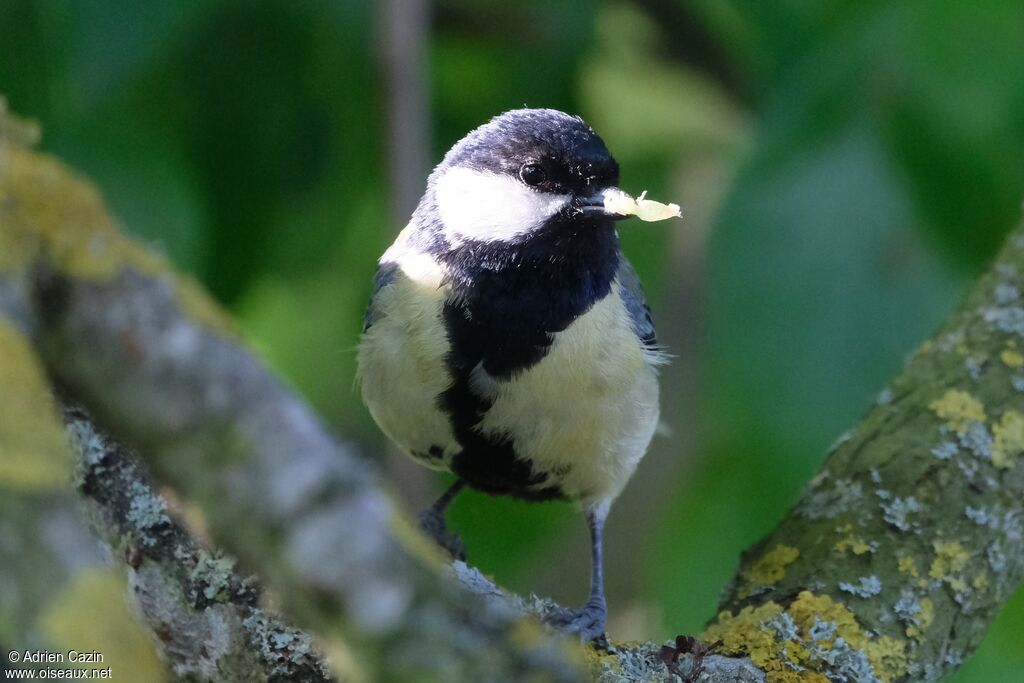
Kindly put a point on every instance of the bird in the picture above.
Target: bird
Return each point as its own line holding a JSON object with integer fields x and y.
{"x": 507, "y": 339}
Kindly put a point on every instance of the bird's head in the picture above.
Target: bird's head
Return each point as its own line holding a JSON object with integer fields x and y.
{"x": 521, "y": 171}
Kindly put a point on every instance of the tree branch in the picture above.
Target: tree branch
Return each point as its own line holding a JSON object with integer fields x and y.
{"x": 206, "y": 617}
{"x": 909, "y": 539}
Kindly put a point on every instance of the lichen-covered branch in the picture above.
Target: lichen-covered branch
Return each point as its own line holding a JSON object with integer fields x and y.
{"x": 206, "y": 618}
{"x": 53, "y": 572}
{"x": 906, "y": 544}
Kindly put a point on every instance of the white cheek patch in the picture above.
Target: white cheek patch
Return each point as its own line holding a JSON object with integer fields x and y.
{"x": 484, "y": 206}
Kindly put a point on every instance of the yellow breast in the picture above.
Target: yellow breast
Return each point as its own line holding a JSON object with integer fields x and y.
{"x": 402, "y": 362}
{"x": 587, "y": 411}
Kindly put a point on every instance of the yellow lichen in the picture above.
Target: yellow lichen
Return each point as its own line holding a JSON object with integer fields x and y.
{"x": 1011, "y": 358}
{"x": 854, "y": 544}
{"x": 950, "y": 556}
{"x": 34, "y": 451}
{"x": 958, "y": 408}
{"x": 908, "y": 566}
{"x": 981, "y": 581}
{"x": 1008, "y": 439}
{"x": 923, "y": 619}
{"x": 888, "y": 657}
{"x": 768, "y": 569}
{"x": 807, "y": 606}
{"x": 744, "y": 634}
{"x": 748, "y": 633}
{"x": 599, "y": 660}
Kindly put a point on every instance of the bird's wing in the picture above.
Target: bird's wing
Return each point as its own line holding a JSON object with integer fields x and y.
{"x": 632, "y": 293}
{"x": 384, "y": 276}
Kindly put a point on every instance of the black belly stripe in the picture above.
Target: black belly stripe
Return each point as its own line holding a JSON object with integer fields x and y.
{"x": 509, "y": 301}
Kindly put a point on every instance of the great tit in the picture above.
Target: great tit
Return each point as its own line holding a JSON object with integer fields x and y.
{"x": 507, "y": 339}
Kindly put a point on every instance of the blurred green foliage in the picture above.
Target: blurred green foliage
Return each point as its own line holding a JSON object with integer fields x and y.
{"x": 863, "y": 160}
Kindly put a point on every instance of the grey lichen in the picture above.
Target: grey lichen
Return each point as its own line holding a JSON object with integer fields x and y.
{"x": 945, "y": 450}
{"x": 636, "y": 664}
{"x": 1005, "y": 293}
{"x": 212, "y": 577}
{"x": 146, "y": 510}
{"x": 784, "y": 626}
{"x": 822, "y": 630}
{"x": 285, "y": 650}
{"x": 865, "y": 587}
{"x": 977, "y": 439}
{"x": 898, "y": 510}
{"x": 87, "y": 446}
{"x": 908, "y": 608}
{"x": 828, "y": 502}
{"x": 1009, "y": 319}
{"x": 996, "y": 557}
{"x": 982, "y": 517}
{"x": 831, "y": 654}
{"x": 1013, "y": 526}
{"x": 844, "y": 662}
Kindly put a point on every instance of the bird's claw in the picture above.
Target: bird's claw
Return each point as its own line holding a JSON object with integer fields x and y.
{"x": 588, "y": 622}
{"x": 432, "y": 524}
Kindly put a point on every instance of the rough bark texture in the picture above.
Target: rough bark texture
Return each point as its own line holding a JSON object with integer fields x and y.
{"x": 889, "y": 568}
{"x": 911, "y": 537}
{"x": 207, "y": 618}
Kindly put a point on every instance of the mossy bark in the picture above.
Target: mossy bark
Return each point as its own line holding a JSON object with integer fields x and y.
{"x": 914, "y": 524}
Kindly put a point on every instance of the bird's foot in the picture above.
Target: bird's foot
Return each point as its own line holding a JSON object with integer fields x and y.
{"x": 588, "y": 622}
{"x": 432, "y": 524}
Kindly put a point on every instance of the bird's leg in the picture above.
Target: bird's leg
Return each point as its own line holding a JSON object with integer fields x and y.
{"x": 432, "y": 522}
{"x": 589, "y": 620}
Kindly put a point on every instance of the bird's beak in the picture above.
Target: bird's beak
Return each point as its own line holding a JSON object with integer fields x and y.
{"x": 597, "y": 204}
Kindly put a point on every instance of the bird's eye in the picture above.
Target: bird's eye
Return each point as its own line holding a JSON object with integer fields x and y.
{"x": 533, "y": 174}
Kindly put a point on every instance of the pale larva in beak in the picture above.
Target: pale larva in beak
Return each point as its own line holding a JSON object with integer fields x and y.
{"x": 617, "y": 201}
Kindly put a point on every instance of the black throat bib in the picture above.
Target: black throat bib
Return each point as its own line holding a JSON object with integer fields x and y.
{"x": 509, "y": 300}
